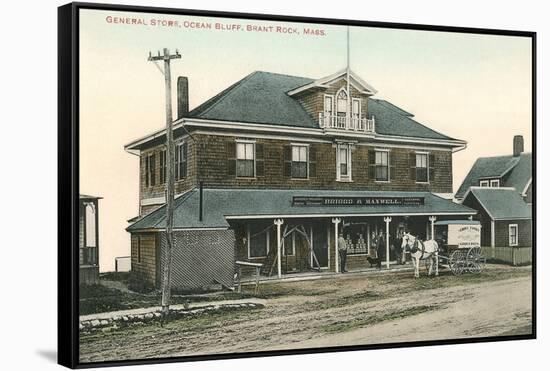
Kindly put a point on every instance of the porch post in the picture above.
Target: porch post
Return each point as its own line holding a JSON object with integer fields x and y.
{"x": 278, "y": 223}
{"x": 336, "y": 221}
{"x": 432, "y": 221}
{"x": 387, "y": 220}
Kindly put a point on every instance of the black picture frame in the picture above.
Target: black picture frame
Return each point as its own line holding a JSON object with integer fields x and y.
{"x": 68, "y": 179}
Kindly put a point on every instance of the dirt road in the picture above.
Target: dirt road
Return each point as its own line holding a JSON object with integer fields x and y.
{"x": 348, "y": 310}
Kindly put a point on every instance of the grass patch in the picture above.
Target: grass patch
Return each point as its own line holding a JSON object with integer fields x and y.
{"x": 344, "y": 326}
{"x": 100, "y": 299}
{"x": 123, "y": 277}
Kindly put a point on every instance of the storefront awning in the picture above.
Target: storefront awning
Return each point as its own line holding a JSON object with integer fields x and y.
{"x": 223, "y": 205}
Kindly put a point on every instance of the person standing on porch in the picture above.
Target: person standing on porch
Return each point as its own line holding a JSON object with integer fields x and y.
{"x": 380, "y": 248}
{"x": 343, "y": 252}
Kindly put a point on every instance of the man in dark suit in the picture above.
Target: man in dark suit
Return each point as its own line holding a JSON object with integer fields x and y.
{"x": 380, "y": 248}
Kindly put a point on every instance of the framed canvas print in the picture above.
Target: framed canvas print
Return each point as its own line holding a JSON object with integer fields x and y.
{"x": 238, "y": 185}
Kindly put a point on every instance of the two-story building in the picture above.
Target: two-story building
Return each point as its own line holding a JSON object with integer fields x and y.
{"x": 500, "y": 188}
{"x": 288, "y": 163}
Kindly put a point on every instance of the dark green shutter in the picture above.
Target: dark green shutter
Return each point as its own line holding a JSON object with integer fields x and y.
{"x": 143, "y": 169}
{"x": 372, "y": 163}
{"x": 231, "y": 161}
{"x": 287, "y": 160}
{"x": 412, "y": 165}
{"x": 431, "y": 163}
{"x": 260, "y": 159}
{"x": 393, "y": 161}
{"x": 312, "y": 161}
{"x": 153, "y": 164}
{"x": 184, "y": 159}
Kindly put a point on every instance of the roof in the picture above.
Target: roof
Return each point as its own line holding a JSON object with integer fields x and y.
{"x": 512, "y": 171}
{"x": 391, "y": 120}
{"x": 262, "y": 97}
{"x": 221, "y": 204}
{"x": 501, "y": 203}
{"x": 324, "y": 82}
{"x": 88, "y": 197}
{"x": 459, "y": 222}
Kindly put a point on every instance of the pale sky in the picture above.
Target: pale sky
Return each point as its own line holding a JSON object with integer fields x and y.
{"x": 471, "y": 87}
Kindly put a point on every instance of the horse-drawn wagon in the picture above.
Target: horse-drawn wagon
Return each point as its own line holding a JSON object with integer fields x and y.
{"x": 460, "y": 245}
{"x": 457, "y": 244}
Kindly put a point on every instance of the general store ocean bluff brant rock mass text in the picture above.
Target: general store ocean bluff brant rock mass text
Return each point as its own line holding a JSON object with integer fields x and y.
{"x": 269, "y": 140}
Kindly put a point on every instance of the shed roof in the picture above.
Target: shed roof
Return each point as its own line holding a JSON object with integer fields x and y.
{"x": 501, "y": 203}
{"x": 221, "y": 204}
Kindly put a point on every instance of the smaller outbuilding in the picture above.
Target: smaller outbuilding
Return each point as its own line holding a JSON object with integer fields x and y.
{"x": 504, "y": 215}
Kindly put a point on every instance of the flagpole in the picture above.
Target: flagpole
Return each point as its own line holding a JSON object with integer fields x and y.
{"x": 347, "y": 80}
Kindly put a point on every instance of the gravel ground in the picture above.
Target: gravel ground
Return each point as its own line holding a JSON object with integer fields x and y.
{"x": 347, "y": 310}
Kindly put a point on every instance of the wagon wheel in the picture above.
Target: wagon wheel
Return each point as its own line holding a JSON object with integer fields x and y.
{"x": 456, "y": 262}
{"x": 475, "y": 260}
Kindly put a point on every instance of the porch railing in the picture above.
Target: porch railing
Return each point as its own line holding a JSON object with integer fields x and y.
{"x": 338, "y": 122}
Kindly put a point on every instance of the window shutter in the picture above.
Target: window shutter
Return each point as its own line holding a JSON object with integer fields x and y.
{"x": 287, "y": 160}
{"x": 393, "y": 160}
{"x": 184, "y": 150}
{"x": 312, "y": 161}
{"x": 412, "y": 164}
{"x": 143, "y": 169}
{"x": 231, "y": 161}
{"x": 260, "y": 159}
{"x": 372, "y": 163}
{"x": 431, "y": 163}
{"x": 153, "y": 169}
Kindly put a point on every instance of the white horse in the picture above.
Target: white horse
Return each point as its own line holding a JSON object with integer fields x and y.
{"x": 421, "y": 251}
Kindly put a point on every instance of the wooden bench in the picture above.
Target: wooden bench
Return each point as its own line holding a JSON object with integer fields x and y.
{"x": 258, "y": 267}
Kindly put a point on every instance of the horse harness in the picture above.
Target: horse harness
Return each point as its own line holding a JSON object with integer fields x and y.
{"x": 415, "y": 247}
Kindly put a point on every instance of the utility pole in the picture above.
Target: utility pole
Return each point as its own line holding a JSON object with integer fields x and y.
{"x": 166, "y": 278}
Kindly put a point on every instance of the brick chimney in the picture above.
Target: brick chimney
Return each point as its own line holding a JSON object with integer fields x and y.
{"x": 518, "y": 145}
{"x": 183, "y": 97}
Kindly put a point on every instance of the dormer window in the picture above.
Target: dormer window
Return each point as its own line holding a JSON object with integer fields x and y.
{"x": 342, "y": 102}
{"x": 493, "y": 183}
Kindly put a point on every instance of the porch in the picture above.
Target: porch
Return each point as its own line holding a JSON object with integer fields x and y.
{"x": 291, "y": 247}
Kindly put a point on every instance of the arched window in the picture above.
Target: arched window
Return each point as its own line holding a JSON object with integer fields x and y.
{"x": 342, "y": 101}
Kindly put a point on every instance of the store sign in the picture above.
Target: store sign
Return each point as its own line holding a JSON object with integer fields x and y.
{"x": 464, "y": 236}
{"x": 357, "y": 201}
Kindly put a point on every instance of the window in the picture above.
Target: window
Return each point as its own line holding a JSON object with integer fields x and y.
{"x": 328, "y": 105}
{"x": 90, "y": 225}
{"x": 513, "y": 234}
{"x": 342, "y": 101}
{"x": 422, "y": 167}
{"x": 343, "y": 159}
{"x": 343, "y": 162}
{"x": 382, "y": 166}
{"x": 258, "y": 240}
{"x": 484, "y": 183}
{"x": 181, "y": 161}
{"x": 245, "y": 159}
{"x": 495, "y": 183}
{"x": 163, "y": 166}
{"x": 356, "y": 108}
{"x": 299, "y": 162}
{"x": 150, "y": 170}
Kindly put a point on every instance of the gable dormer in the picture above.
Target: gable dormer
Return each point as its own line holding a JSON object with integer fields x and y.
{"x": 333, "y": 107}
